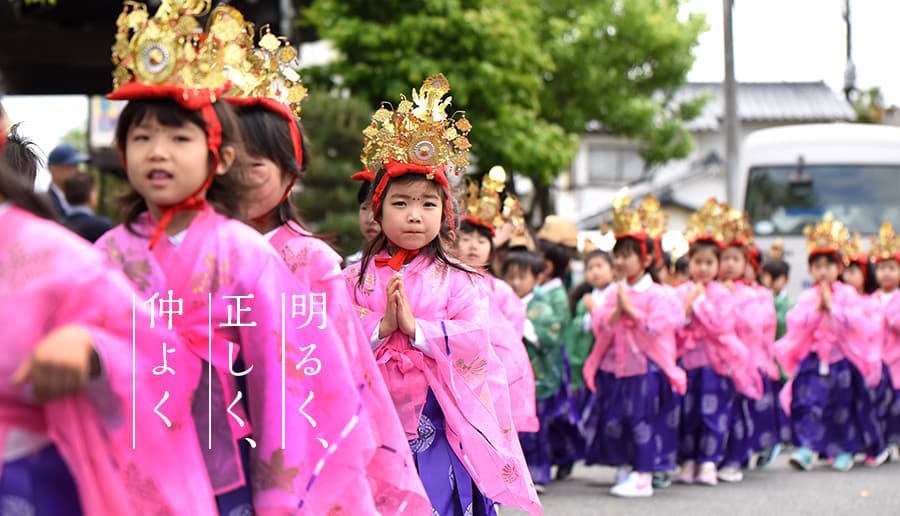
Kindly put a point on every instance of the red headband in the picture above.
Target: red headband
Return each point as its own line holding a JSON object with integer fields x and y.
{"x": 753, "y": 255}
{"x": 363, "y": 175}
{"x": 394, "y": 169}
{"x": 641, "y": 238}
{"x": 279, "y": 109}
{"x": 879, "y": 259}
{"x": 480, "y": 223}
{"x": 191, "y": 99}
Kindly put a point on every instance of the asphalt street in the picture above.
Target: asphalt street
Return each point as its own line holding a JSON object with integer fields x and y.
{"x": 776, "y": 490}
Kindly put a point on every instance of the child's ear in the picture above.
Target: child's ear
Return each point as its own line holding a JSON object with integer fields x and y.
{"x": 227, "y": 155}
{"x": 648, "y": 260}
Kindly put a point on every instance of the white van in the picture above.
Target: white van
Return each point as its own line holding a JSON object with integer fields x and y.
{"x": 792, "y": 175}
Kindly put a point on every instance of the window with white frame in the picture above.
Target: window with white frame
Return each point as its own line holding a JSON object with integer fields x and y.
{"x": 613, "y": 164}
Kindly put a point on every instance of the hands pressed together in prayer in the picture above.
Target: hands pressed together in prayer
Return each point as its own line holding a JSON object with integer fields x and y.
{"x": 397, "y": 315}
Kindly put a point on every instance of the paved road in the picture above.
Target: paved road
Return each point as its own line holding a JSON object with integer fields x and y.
{"x": 775, "y": 491}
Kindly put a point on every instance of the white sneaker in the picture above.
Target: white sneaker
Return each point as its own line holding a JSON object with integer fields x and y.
{"x": 638, "y": 485}
{"x": 730, "y": 474}
{"x": 707, "y": 474}
{"x": 687, "y": 473}
{"x": 622, "y": 474}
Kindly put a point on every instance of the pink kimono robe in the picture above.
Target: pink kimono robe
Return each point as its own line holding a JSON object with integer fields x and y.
{"x": 49, "y": 277}
{"x": 392, "y": 480}
{"x": 889, "y": 307}
{"x": 755, "y": 325}
{"x": 507, "y": 319}
{"x": 304, "y": 403}
{"x": 649, "y": 335}
{"x": 845, "y": 332}
{"x": 463, "y": 371}
{"x": 709, "y": 338}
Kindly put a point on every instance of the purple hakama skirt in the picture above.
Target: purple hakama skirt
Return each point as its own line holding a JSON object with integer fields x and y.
{"x": 706, "y": 410}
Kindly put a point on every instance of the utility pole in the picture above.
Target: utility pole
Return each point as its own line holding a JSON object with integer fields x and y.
{"x": 731, "y": 115}
{"x": 850, "y": 68}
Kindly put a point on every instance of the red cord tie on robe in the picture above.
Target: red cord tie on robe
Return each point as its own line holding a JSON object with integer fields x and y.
{"x": 396, "y": 262}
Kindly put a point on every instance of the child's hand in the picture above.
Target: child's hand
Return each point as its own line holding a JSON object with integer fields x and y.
{"x": 405, "y": 319}
{"x": 692, "y": 296}
{"x": 589, "y": 303}
{"x": 388, "y": 323}
{"x": 625, "y": 302}
{"x": 825, "y": 301}
{"x": 729, "y": 284}
{"x": 61, "y": 364}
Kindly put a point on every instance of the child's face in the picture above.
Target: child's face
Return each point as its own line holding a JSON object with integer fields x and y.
{"x": 368, "y": 226}
{"x": 521, "y": 279}
{"x": 166, "y": 164}
{"x": 628, "y": 264}
{"x": 703, "y": 266}
{"x": 411, "y": 213}
{"x": 733, "y": 264}
{"x": 474, "y": 249}
{"x": 598, "y": 272}
{"x": 853, "y": 276}
{"x": 887, "y": 272}
{"x": 823, "y": 270}
{"x": 266, "y": 186}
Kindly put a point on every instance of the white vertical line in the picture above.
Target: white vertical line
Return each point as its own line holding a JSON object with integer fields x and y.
{"x": 283, "y": 375}
{"x": 209, "y": 420}
{"x": 133, "y": 370}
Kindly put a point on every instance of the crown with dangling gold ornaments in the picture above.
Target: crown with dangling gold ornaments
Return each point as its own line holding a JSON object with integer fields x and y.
{"x": 481, "y": 204}
{"x": 886, "y": 245}
{"x": 706, "y": 224}
{"x": 828, "y": 236}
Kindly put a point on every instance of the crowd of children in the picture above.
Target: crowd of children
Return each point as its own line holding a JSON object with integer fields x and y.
{"x": 446, "y": 368}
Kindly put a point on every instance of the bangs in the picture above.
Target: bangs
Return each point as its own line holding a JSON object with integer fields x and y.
{"x": 166, "y": 112}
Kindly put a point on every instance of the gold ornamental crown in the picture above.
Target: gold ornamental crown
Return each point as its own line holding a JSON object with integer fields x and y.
{"x": 706, "y": 223}
{"x": 655, "y": 220}
{"x": 271, "y": 70}
{"x": 852, "y": 251}
{"x": 170, "y": 48}
{"x": 886, "y": 244}
{"x": 419, "y": 132}
{"x": 735, "y": 227}
{"x": 827, "y": 236}
{"x": 483, "y": 202}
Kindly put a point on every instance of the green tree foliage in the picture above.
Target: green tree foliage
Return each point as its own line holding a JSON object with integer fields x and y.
{"x": 333, "y": 131}
{"x": 529, "y": 73}
{"x": 869, "y": 106}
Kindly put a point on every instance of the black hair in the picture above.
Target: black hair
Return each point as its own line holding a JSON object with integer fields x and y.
{"x": 681, "y": 265}
{"x": 870, "y": 283}
{"x": 629, "y": 245}
{"x": 700, "y": 245}
{"x": 558, "y": 255}
{"x": 15, "y": 188}
{"x": 267, "y": 135}
{"x": 776, "y": 268}
{"x": 435, "y": 248}
{"x": 362, "y": 195}
{"x": 20, "y": 153}
{"x": 78, "y": 188}
{"x": 226, "y": 190}
{"x": 828, "y": 256}
{"x": 526, "y": 260}
{"x": 598, "y": 253}
{"x": 575, "y": 295}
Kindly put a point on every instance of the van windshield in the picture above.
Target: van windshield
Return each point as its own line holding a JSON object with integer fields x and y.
{"x": 782, "y": 200}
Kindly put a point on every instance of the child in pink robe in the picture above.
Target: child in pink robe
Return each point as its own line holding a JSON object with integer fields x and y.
{"x": 93, "y": 446}
{"x": 277, "y": 442}
{"x": 430, "y": 335}
{"x": 718, "y": 365}
{"x": 475, "y": 246}
{"x": 269, "y": 130}
{"x": 632, "y": 419}
{"x": 886, "y": 303}
{"x": 832, "y": 367}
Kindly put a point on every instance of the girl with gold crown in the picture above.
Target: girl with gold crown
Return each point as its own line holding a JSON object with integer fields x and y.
{"x": 75, "y": 437}
{"x": 483, "y": 215}
{"x": 885, "y": 252}
{"x": 426, "y": 318}
{"x": 262, "y": 376}
{"x": 718, "y": 364}
{"x": 753, "y": 424}
{"x": 631, "y": 420}
{"x": 268, "y": 107}
{"x": 826, "y": 354}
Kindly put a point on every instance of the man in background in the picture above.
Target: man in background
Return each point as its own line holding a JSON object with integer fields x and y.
{"x": 63, "y": 161}
{"x": 81, "y": 197}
